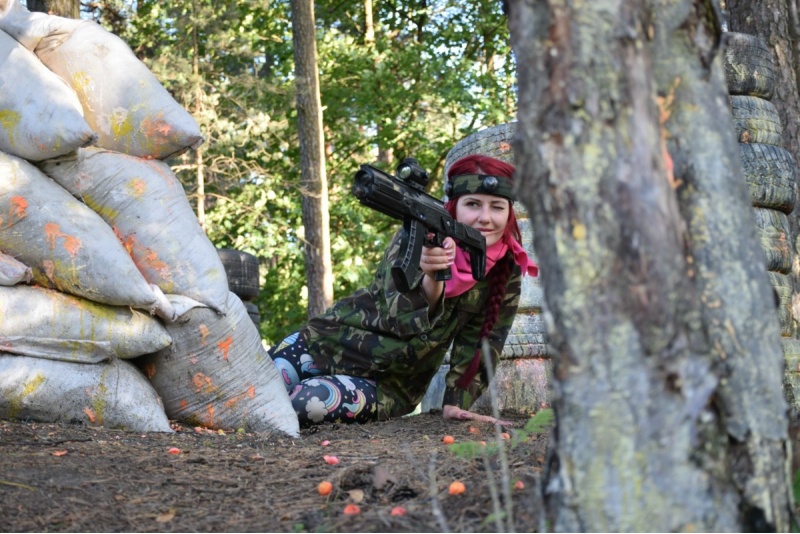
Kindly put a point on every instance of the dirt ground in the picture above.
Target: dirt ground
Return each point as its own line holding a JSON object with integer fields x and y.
{"x": 64, "y": 478}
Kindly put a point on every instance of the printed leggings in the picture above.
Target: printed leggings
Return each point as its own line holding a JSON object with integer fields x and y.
{"x": 318, "y": 396}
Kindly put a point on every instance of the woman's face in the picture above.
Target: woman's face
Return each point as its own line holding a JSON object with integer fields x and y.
{"x": 486, "y": 213}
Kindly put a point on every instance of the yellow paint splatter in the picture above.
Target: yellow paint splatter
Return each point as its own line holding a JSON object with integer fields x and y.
{"x": 9, "y": 119}
{"x": 579, "y": 231}
{"x": 136, "y": 187}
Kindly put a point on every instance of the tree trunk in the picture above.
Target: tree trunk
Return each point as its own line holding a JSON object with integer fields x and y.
{"x": 62, "y": 8}
{"x": 667, "y": 360}
{"x": 314, "y": 183}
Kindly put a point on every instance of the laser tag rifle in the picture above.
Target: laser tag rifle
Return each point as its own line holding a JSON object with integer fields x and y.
{"x": 425, "y": 220}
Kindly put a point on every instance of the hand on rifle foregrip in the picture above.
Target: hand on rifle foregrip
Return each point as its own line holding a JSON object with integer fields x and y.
{"x": 436, "y": 260}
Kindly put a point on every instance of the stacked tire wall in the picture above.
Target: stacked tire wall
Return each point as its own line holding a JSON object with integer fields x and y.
{"x": 771, "y": 176}
{"x": 523, "y": 373}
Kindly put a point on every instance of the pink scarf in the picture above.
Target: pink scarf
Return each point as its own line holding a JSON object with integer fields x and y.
{"x": 462, "y": 280}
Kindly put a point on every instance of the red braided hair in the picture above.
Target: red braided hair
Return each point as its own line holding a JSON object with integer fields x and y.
{"x": 500, "y": 273}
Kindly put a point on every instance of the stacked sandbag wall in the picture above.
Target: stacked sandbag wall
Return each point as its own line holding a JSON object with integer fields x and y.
{"x": 771, "y": 174}
{"x": 521, "y": 378}
{"x": 97, "y": 221}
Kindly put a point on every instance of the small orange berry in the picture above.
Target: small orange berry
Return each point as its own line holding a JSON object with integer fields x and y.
{"x": 505, "y": 435}
{"x": 457, "y": 488}
{"x": 325, "y": 488}
{"x": 174, "y": 450}
{"x": 448, "y": 440}
{"x": 352, "y": 509}
{"x": 398, "y": 510}
{"x": 332, "y": 460}
{"x": 519, "y": 485}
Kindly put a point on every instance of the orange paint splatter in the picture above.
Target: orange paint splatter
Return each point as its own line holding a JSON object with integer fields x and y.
{"x": 71, "y": 243}
{"x": 137, "y": 186}
{"x": 251, "y": 392}
{"x": 90, "y": 414}
{"x": 225, "y": 346}
{"x": 150, "y": 370}
{"x": 210, "y": 411}
{"x": 18, "y": 205}
{"x": 203, "y": 333}
{"x": 51, "y": 232}
{"x": 155, "y": 126}
{"x": 203, "y": 383}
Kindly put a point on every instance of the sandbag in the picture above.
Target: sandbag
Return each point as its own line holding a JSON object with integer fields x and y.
{"x": 40, "y": 116}
{"x": 66, "y": 244}
{"x": 111, "y": 395}
{"x": 44, "y": 323}
{"x": 217, "y": 374}
{"x": 122, "y": 100}
{"x": 13, "y": 272}
{"x": 145, "y": 204}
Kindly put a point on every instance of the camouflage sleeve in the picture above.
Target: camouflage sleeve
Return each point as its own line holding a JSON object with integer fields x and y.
{"x": 465, "y": 344}
{"x": 408, "y": 313}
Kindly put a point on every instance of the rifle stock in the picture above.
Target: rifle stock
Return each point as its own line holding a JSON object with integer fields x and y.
{"x": 425, "y": 223}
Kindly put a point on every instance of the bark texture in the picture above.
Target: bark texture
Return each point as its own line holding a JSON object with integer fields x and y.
{"x": 667, "y": 382}
{"x": 314, "y": 182}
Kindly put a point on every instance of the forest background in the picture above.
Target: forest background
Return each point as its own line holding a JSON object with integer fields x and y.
{"x": 402, "y": 78}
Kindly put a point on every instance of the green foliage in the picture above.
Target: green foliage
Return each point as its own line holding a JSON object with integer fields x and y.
{"x": 535, "y": 425}
{"x": 434, "y": 73}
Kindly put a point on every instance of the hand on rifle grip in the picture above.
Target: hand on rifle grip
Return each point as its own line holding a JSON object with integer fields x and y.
{"x": 444, "y": 274}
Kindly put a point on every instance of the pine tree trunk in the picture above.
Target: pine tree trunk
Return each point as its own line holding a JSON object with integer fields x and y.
{"x": 62, "y": 8}
{"x": 314, "y": 183}
{"x": 667, "y": 359}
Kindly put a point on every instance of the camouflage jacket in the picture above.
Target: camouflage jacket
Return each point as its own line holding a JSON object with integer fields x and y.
{"x": 389, "y": 336}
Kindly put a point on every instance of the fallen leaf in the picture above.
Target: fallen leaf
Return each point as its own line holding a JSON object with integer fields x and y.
{"x": 59, "y": 453}
{"x": 356, "y": 495}
{"x": 381, "y": 476}
{"x": 256, "y": 458}
{"x": 167, "y": 516}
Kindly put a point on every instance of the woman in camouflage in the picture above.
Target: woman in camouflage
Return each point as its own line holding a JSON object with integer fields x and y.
{"x": 374, "y": 353}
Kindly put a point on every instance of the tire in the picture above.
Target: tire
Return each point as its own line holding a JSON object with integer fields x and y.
{"x": 242, "y": 271}
{"x": 495, "y": 142}
{"x": 770, "y": 173}
{"x": 791, "y": 374}
{"x": 756, "y": 120}
{"x": 749, "y": 66}
{"x": 783, "y": 289}
{"x": 252, "y": 311}
{"x": 773, "y": 232}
